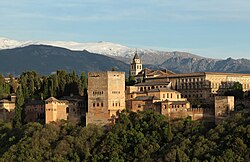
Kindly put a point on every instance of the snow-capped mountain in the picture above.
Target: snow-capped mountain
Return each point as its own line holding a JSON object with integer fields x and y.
{"x": 105, "y": 48}
{"x": 6, "y": 43}
{"x": 121, "y": 52}
{"x": 180, "y": 62}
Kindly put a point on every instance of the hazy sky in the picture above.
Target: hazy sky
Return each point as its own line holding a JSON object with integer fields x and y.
{"x": 211, "y": 28}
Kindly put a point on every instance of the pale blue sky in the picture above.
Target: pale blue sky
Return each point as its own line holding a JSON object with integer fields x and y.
{"x": 210, "y": 28}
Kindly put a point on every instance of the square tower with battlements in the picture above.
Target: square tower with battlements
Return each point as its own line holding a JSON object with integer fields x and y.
{"x": 56, "y": 110}
{"x": 223, "y": 106}
{"x": 106, "y": 96}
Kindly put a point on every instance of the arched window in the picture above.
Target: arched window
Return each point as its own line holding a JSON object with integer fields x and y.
{"x": 67, "y": 110}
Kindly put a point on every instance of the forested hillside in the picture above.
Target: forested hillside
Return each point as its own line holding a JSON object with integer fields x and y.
{"x": 31, "y": 85}
{"x": 143, "y": 136}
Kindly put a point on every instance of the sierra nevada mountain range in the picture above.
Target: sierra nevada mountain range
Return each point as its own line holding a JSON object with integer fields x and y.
{"x": 149, "y": 56}
{"x": 180, "y": 62}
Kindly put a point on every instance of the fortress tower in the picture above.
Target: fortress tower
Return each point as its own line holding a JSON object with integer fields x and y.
{"x": 106, "y": 96}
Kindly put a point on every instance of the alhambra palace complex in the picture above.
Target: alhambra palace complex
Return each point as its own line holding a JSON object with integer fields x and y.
{"x": 170, "y": 94}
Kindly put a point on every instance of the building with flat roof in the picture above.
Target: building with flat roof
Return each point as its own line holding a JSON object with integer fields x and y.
{"x": 223, "y": 107}
{"x": 204, "y": 86}
{"x": 56, "y": 110}
{"x": 106, "y": 96}
{"x": 198, "y": 87}
{"x": 165, "y": 101}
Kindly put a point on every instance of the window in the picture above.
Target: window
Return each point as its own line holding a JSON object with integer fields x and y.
{"x": 67, "y": 110}
{"x": 139, "y": 106}
{"x": 93, "y": 104}
{"x": 163, "y": 95}
{"x": 97, "y": 104}
{"x": 115, "y": 92}
{"x": 101, "y": 104}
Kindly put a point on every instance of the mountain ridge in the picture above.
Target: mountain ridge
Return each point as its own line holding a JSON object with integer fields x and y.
{"x": 179, "y": 62}
{"x": 47, "y": 59}
{"x": 115, "y": 50}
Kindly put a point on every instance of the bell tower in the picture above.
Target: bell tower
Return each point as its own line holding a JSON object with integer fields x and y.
{"x": 136, "y": 65}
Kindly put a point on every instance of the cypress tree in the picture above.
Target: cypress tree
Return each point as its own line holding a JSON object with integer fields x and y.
{"x": 169, "y": 133}
{"x": 84, "y": 80}
{"x": 17, "y": 121}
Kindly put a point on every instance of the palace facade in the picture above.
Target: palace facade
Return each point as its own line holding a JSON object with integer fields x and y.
{"x": 199, "y": 87}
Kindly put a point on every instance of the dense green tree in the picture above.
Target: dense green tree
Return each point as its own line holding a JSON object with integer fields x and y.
{"x": 56, "y": 85}
{"x": 5, "y": 88}
{"x": 130, "y": 81}
{"x": 169, "y": 133}
{"x": 17, "y": 121}
{"x": 83, "y": 85}
{"x": 13, "y": 83}
{"x": 235, "y": 90}
{"x": 142, "y": 136}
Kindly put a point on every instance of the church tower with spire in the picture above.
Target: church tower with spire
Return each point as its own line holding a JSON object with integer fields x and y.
{"x": 136, "y": 65}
